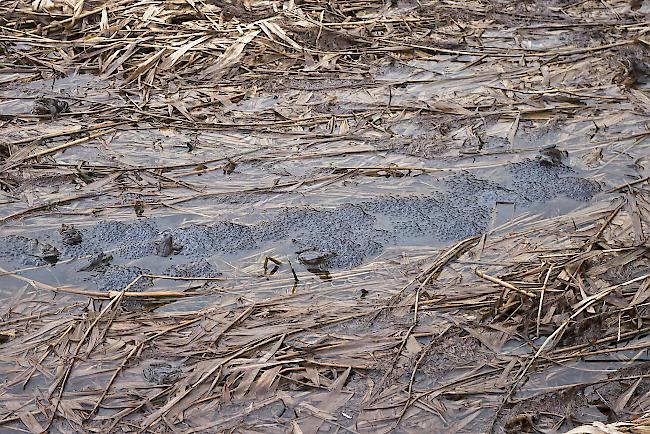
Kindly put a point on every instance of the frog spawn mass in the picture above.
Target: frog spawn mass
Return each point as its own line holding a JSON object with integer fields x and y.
{"x": 320, "y": 239}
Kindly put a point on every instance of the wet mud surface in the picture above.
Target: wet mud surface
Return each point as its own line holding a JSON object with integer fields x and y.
{"x": 579, "y": 404}
{"x": 286, "y": 205}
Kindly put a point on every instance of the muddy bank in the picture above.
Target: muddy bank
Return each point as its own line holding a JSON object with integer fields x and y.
{"x": 307, "y": 217}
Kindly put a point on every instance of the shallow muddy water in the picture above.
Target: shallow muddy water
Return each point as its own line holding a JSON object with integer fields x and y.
{"x": 288, "y": 212}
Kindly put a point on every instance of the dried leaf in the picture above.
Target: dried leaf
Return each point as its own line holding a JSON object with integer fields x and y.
{"x": 230, "y": 56}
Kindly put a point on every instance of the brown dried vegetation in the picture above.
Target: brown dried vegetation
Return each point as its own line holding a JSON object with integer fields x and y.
{"x": 472, "y": 337}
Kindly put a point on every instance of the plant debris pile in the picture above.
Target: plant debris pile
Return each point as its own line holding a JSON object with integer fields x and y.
{"x": 308, "y": 216}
